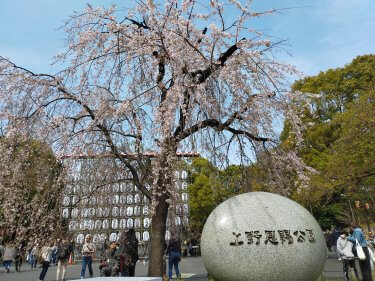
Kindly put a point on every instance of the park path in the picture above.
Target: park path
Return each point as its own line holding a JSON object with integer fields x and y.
{"x": 192, "y": 268}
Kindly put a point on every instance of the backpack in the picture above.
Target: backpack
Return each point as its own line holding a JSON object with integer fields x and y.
{"x": 64, "y": 252}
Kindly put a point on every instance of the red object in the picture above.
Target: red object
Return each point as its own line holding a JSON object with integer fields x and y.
{"x": 70, "y": 259}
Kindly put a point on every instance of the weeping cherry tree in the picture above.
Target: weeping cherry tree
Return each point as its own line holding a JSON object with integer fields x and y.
{"x": 163, "y": 76}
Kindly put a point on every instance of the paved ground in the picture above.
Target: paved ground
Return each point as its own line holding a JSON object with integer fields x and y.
{"x": 192, "y": 269}
{"x": 189, "y": 266}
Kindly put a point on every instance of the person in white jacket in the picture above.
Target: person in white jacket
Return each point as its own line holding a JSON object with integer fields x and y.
{"x": 345, "y": 250}
{"x": 88, "y": 253}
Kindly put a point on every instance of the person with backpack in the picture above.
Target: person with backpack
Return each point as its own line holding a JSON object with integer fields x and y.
{"x": 46, "y": 259}
{"x": 64, "y": 250}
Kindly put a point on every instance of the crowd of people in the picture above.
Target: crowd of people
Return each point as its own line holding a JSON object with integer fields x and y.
{"x": 116, "y": 258}
{"x": 345, "y": 242}
{"x": 119, "y": 259}
{"x": 55, "y": 252}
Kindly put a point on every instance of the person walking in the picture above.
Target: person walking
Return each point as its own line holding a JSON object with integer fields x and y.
{"x": 28, "y": 254}
{"x": 9, "y": 254}
{"x": 174, "y": 252}
{"x": 63, "y": 252}
{"x": 345, "y": 250}
{"x": 128, "y": 253}
{"x": 335, "y": 236}
{"x": 54, "y": 259}
{"x": 46, "y": 260}
{"x": 88, "y": 252}
{"x": 19, "y": 258}
{"x": 34, "y": 256}
{"x": 1, "y": 249}
{"x": 358, "y": 236}
{"x": 327, "y": 236}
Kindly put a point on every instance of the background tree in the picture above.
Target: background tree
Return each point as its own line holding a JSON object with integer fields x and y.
{"x": 30, "y": 189}
{"x": 210, "y": 186}
{"x": 338, "y": 140}
{"x": 164, "y": 76}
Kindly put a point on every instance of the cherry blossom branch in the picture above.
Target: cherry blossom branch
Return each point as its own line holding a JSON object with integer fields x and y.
{"x": 218, "y": 126}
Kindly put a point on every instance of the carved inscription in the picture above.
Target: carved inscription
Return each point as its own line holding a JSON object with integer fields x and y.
{"x": 252, "y": 235}
{"x": 271, "y": 237}
{"x": 274, "y": 237}
{"x": 285, "y": 236}
{"x": 300, "y": 236}
{"x": 236, "y": 242}
{"x": 310, "y": 235}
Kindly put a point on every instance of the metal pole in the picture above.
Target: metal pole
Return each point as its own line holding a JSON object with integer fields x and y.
{"x": 351, "y": 210}
{"x": 367, "y": 220}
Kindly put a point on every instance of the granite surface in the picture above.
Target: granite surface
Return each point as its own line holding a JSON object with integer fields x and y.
{"x": 260, "y": 236}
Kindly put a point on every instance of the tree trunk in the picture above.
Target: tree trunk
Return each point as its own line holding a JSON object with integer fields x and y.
{"x": 159, "y": 218}
{"x": 158, "y": 245}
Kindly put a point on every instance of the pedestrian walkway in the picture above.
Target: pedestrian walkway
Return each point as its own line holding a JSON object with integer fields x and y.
{"x": 333, "y": 268}
{"x": 191, "y": 267}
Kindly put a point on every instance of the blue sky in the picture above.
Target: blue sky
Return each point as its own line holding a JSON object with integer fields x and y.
{"x": 322, "y": 33}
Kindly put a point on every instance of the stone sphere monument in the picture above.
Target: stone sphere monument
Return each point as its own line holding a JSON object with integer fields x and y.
{"x": 260, "y": 236}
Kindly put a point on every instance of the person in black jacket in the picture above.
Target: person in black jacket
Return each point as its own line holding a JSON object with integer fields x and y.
{"x": 129, "y": 253}
{"x": 18, "y": 259}
{"x": 63, "y": 252}
{"x": 174, "y": 252}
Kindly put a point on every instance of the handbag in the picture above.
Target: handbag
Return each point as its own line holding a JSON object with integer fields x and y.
{"x": 360, "y": 253}
{"x": 372, "y": 254}
{"x": 70, "y": 260}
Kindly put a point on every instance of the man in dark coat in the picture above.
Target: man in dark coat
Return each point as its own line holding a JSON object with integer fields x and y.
{"x": 63, "y": 252}
{"x": 129, "y": 253}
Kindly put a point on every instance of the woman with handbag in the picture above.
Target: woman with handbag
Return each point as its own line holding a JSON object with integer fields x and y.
{"x": 358, "y": 238}
{"x": 345, "y": 249}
